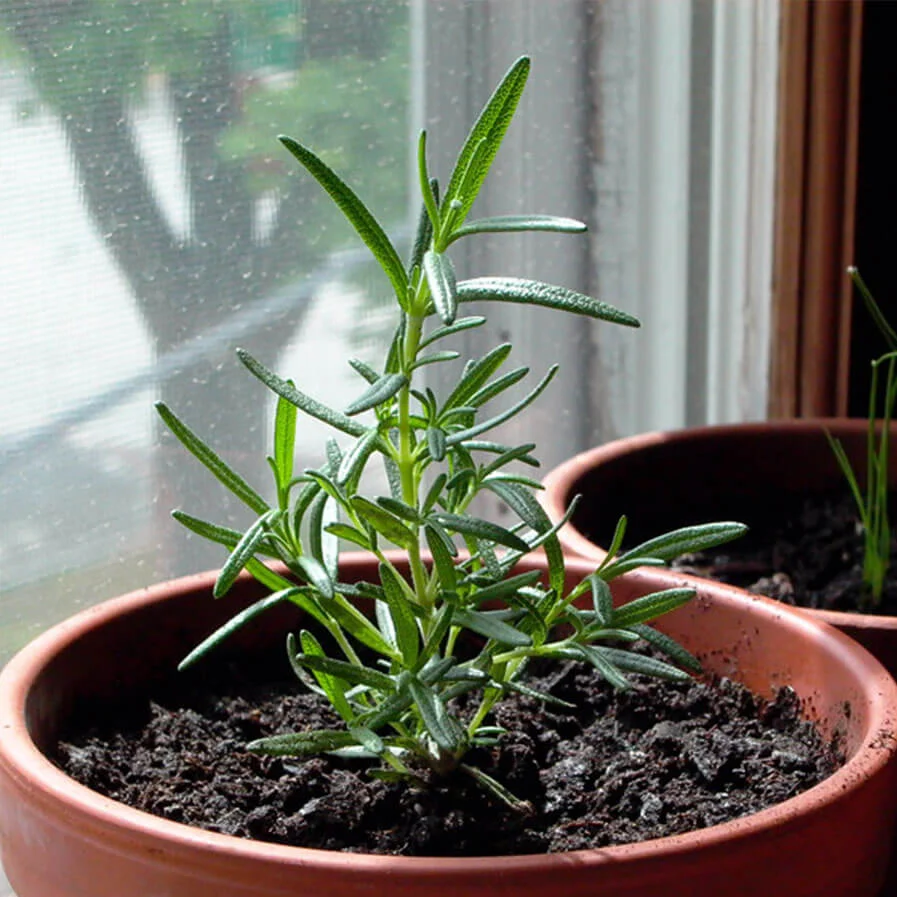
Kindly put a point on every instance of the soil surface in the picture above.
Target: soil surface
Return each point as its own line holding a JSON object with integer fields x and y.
{"x": 810, "y": 556}
{"x": 657, "y": 760}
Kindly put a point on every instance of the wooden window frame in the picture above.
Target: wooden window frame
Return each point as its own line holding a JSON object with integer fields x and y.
{"x": 821, "y": 53}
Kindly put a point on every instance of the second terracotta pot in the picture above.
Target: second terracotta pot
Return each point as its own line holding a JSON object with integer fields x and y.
{"x": 732, "y": 472}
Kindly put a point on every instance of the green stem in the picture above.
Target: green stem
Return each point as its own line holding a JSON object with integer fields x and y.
{"x": 340, "y": 638}
{"x": 490, "y": 696}
{"x": 413, "y": 329}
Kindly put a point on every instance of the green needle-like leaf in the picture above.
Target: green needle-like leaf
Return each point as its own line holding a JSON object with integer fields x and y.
{"x": 533, "y": 292}
{"x": 646, "y": 666}
{"x": 605, "y": 667}
{"x": 383, "y": 389}
{"x": 383, "y": 522}
{"x": 369, "y": 740}
{"x": 404, "y": 623}
{"x": 497, "y": 387}
{"x": 242, "y": 552}
{"x": 436, "y": 443}
{"x": 223, "y": 535}
{"x": 516, "y": 223}
{"x": 505, "y": 589}
{"x": 460, "y": 325}
{"x": 649, "y": 607}
{"x": 615, "y": 542}
{"x": 316, "y": 575}
{"x": 476, "y": 374}
{"x": 524, "y": 504}
{"x": 330, "y": 681}
{"x": 303, "y": 402}
{"x": 481, "y": 529}
{"x": 427, "y": 191}
{"x": 687, "y": 539}
{"x": 602, "y": 600}
{"x": 284, "y": 442}
{"x": 442, "y": 556}
{"x": 439, "y": 724}
{"x": 523, "y": 807}
{"x": 302, "y": 744}
{"x": 668, "y": 646}
{"x": 489, "y": 626}
{"x": 359, "y": 626}
{"x": 349, "y": 672}
{"x": 356, "y": 212}
{"x": 435, "y": 358}
{"x": 363, "y": 370}
{"x": 222, "y": 472}
{"x": 434, "y": 493}
{"x": 353, "y": 462}
{"x": 350, "y": 534}
{"x": 485, "y": 137}
{"x": 236, "y": 623}
{"x": 518, "y": 453}
{"x": 468, "y": 433}
{"x": 399, "y": 508}
{"x": 443, "y": 284}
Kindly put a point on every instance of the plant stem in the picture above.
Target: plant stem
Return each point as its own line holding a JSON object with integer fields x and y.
{"x": 413, "y": 328}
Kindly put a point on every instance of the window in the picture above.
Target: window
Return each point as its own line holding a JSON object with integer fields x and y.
{"x": 151, "y": 223}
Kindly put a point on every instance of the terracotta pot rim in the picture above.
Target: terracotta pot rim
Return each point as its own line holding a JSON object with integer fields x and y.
{"x": 559, "y": 484}
{"x": 113, "y": 821}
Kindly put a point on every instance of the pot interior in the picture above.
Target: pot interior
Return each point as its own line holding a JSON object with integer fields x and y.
{"x": 695, "y": 476}
{"x": 119, "y": 658}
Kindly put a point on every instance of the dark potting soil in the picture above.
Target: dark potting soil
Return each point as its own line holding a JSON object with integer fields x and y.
{"x": 657, "y": 760}
{"x": 810, "y": 555}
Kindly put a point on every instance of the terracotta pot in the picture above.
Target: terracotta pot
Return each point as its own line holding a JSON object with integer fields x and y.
{"x": 732, "y": 472}
{"x": 60, "y": 839}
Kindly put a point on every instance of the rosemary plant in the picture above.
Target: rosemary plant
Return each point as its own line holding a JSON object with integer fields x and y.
{"x": 872, "y": 504}
{"x": 392, "y": 678}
